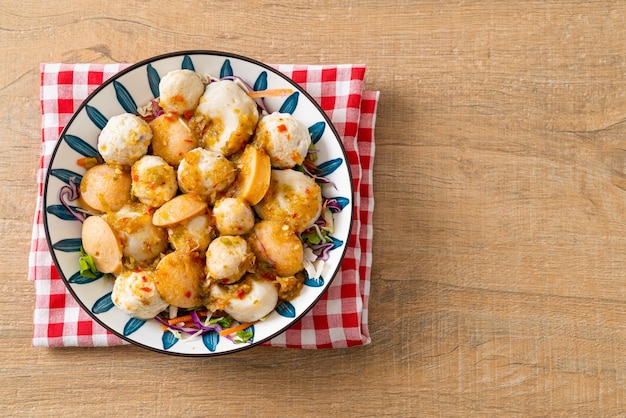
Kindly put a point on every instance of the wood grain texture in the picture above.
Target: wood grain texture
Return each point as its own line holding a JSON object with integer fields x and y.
{"x": 498, "y": 283}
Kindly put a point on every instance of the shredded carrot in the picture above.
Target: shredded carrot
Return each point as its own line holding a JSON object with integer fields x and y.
{"x": 179, "y": 319}
{"x": 87, "y": 162}
{"x": 184, "y": 318}
{"x": 269, "y": 93}
{"x": 236, "y": 328}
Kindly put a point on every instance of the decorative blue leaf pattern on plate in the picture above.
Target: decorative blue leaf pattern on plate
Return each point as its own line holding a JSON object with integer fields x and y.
{"x": 187, "y": 63}
{"x": 261, "y": 82}
{"x": 290, "y": 104}
{"x": 77, "y": 278}
{"x": 61, "y": 212}
{"x": 226, "y": 70}
{"x": 342, "y": 201}
{"x": 124, "y": 97}
{"x": 80, "y": 146}
{"x": 153, "y": 80}
{"x": 69, "y": 245}
{"x": 316, "y": 131}
{"x": 286, "y": 309}
{"x": 133, "y": 325}
{"x": 336, "y": 243}
{"x": 313, "y": 281}
{"x": 329, "y": 166}
{"x": 96, "y": 117}
{"x": 102, "y": 305}
{"x": 250, "y": 329}
{"x": 168, "y": 340}
{"x": 66, "y": 175}
{"x": 210, "y": 340}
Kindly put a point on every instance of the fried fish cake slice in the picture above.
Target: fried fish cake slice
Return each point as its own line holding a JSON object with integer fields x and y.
{"x": 179, "y": 209}
{"x": 254, "y": 175}
{"x": 101, "y": 242}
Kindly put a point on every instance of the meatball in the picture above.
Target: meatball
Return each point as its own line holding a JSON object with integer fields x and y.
{"x": 124, "y": 139}
{"x": 180, "y": 279}
{"x": 180, "y": 91}
{"x": 233, "y": 216}
{"x": 153, "y": 181}
{"x": 135, "y": 293}
{"x": 172, "y": 138}
{"x": 194, "y": 234}
{"x": 206, "y": 173}
{"x": 225, "y": 118}
{"x": 228, "y": 258}
{"x": 247, "y": 301}
{"x": 141, "y": 241}
{"x": 293, "y": 199}
{"x": 105, "y": 188}
{"x": 285, "y": 139}
{"x": 277, "y": 247}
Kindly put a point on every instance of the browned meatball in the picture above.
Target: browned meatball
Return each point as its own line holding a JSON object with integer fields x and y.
{"x": 180, "y": 277}
{"x": 293, "y": 199}
{"x": 277, "y": 246}
{"x": 105, "y": 188}
{"x": 172, "y": 138}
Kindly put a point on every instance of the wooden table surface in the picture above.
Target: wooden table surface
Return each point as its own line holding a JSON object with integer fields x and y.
{"x": 499, "y": 272}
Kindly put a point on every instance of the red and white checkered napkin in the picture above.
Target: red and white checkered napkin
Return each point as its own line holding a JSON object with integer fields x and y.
{"x": 339, "y": 319}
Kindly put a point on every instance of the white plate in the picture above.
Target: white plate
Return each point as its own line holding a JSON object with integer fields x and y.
{"x": 134, "y": 87}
